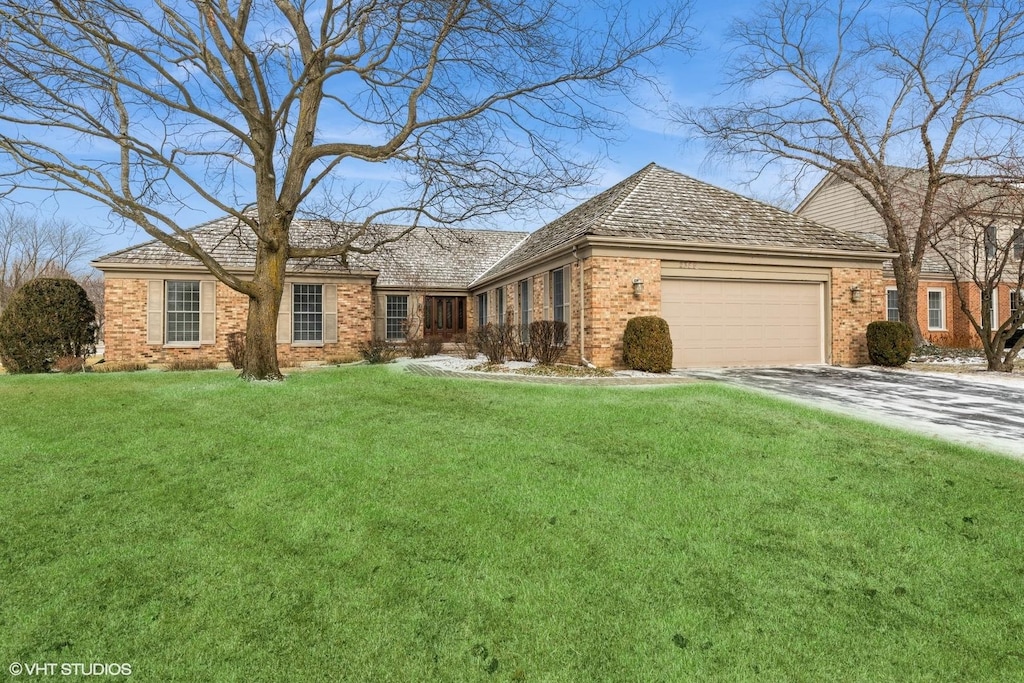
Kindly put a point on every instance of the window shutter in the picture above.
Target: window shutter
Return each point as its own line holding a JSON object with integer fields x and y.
{"x": 207, "y": 312}
{"x": 284, "y": 317}
{"x": 155, "y": 312}
{"x": 330, "y": 303}
{"x": 380, "y": 317}
{"x": 567, "y": 290}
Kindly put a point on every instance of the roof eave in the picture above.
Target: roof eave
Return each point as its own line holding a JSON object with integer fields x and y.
{"x": 121, "y": 266}
{"x": 746, "y": 249}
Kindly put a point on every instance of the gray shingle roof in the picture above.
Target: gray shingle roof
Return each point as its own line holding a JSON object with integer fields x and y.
{"x": 658, "y": 204}
{"x": 439, "y": 258}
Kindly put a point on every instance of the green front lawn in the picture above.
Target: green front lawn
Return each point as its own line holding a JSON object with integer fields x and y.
{"x": 359, "y": 524}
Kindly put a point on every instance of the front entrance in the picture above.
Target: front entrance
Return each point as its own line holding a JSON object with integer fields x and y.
{"x": 444, "y": 316}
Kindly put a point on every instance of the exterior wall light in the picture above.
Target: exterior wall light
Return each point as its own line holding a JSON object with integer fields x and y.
{"x": 638, "y": 287}
{"x": 855, "y": 293}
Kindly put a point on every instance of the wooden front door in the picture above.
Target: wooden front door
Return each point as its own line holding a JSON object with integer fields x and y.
{"x": 444, "y": 316}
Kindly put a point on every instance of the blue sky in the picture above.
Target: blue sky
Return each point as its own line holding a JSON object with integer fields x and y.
{"x": 647, "y": 136}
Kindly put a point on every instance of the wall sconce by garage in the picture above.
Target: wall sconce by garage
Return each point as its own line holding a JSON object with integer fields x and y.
{"x": 638, "y": 287}
{"x": 855, "y": 293}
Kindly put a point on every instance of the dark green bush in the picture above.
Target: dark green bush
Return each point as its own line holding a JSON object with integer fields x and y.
{"x": 647, "y": 344}
{"x": 889, "y": 343}
{"x": 46, "y": 319}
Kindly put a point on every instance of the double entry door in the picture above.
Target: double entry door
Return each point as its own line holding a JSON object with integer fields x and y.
{"x": 444, "y": 316}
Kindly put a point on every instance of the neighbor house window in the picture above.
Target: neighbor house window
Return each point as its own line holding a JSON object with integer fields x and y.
{"x": 397, "y": 312}
{"x": 560, "y": 297}
{"x": 307, "y": 313}
{"x": 524, "y": 306}
{"x": 182, "y": 312}
{"x": 481, "y": 309}
{"x": 990, "y": 241}
{"x": 1018, "y": 246}
{"x": 936, "y": 309}
{"x": 892, "y": 304}
{"x": 499, "y": 304}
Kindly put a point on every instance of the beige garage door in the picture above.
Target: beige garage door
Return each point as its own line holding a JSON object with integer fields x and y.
{"x": 717, "y": 323}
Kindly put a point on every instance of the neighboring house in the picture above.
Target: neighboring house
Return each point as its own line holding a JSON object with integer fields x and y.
{"x": 740, "y": 283}
{"x": 837, "y": 203}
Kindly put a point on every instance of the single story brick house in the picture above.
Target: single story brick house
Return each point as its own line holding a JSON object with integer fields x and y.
{"x": 836, "y": 202}
{"x": 740, "y": 283}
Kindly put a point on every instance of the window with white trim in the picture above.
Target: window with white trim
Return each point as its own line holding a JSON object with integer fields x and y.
{"x": 307, "y": 313}
{"x": 1018, "y": 245}
{"x": 396, "y": 314}
{"x": 182, "y": 311}
{"x": 499, "y": 305}
{"x": 892, "y": 304}
{"x": 481, "y": 309}
{"x": 936, "y": 309}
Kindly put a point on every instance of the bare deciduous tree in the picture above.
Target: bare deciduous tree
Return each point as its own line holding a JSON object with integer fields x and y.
{"x": 30, "y": 248}
{"x": 980, "y": 237}
{"x": 862, "y": 89}
{"x": 251, "y": 107}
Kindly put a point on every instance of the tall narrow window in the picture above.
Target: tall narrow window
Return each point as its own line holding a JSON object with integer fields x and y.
{"x": 990, "y": 241}
{"x": 936, "y": 309}
{"x": 499, "y": 305}
{"x": 1014, "y": 303}
{"x": 524, "y": 307}
{"x": 397, "y": 312}
{"x": 892, "y": 304}
{"x": 481, "y": 309}
{"x": 560, "y": 298}
{"x": 182, "y": 312}
{"x": 307, "y": 313}
{"x": 1018, "y": 245}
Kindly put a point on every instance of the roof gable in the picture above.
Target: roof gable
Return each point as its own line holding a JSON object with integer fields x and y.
{"x": 659, "y": 204}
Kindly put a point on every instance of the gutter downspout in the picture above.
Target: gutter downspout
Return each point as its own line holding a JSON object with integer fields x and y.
{"x": 579, "y": 262}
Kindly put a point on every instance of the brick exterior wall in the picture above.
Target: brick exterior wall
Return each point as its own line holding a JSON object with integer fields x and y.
{"x": 126, "y": 338}
{"x": 959, "y": 332}
{"x": 540, "y": 306}
{"x": 608, "y": 291}
{"x": 850, "y": 318}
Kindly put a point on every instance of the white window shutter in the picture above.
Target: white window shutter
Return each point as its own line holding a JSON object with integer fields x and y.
{"x": 330, "y": 303}
{"x": 207, "y": 312}
{"x": 284, "y": 317}
{"x": 155, "y": 312}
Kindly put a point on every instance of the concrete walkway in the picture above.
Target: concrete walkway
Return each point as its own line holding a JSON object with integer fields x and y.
{"x": 983, "y": 414}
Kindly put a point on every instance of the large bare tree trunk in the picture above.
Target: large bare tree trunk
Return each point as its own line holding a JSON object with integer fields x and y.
{"x": 259, "y": 362}
{"x": 907, "y": 280}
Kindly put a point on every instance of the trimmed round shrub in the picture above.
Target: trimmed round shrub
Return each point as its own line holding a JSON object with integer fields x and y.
{"x": 647, "y": 344}
{"x": 47, "y": 319}
{"x": 889, "y": 343}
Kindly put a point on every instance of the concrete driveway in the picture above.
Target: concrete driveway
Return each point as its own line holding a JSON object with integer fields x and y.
{"x": 986, "y": 412}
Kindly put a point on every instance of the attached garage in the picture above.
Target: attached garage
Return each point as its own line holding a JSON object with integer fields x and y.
{"x": 719, "y": 322}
